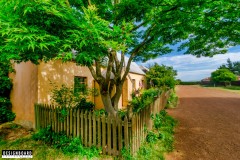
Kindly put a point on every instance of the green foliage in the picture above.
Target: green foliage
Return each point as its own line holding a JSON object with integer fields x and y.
{"x": 61, "y": 141}
{"x": 234, "y": 67}
{"x": 161, "y": 76}
{"x": 100, "y": 112}
{"x": 6, "y": 114}
{"x": 152, "y": 137}
{"x": 233, "y": 87}
{"x": 122, "y": 113}
{"x": 85, "y": 105}
{"x": 160, "y": 139}
{"x": 172, "y": 100}
{"x": 42, "y": 30}
{"x": 223, "y": 75}
{"x": 144, "y": 100}
{"x": 66, "y": 97}
{"x": 126, "y": 155}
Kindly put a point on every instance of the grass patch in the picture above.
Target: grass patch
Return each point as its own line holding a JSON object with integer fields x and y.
{"x": 232, "y": 87}
{"x": 235, "y": 89}
{"x": 158, "y": 141}
{"x": 49, "y": 145}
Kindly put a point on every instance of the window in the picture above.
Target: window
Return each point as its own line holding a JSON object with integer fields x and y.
{"x": 80, "y": 84}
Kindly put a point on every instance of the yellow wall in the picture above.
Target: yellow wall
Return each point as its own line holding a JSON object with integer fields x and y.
{"x": 24, "y": 93}
{"x": 31, "y": 84}
{"x": 138, "y": 78}
{"x": 59, "y": 73}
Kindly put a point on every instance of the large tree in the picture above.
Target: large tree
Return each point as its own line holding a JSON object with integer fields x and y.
{"x": 89, "y": 31}
{"x": 161, "y": 76}
{"x": 234, "y": 67}
{"x": 223, "y": 75}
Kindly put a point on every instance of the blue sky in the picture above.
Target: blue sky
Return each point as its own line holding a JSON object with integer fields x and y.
{"x": 190, "y": 68}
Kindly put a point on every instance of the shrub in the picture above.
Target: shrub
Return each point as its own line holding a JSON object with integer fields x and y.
{"x": 160, "y": 139}
{"x": 62, "y": 142}
{"x": 172, "y": 100}
{"x": 66, "y": 97}
{"x": 6, "y": 114}
{"x": 147, "y": 97}
{"x": 85, "y": 105}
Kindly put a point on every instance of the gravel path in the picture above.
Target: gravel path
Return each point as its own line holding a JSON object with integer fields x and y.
{"x": 209, "y": 124}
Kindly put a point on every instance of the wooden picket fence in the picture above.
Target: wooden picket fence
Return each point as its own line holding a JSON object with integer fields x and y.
{"x": 109, "y": 133}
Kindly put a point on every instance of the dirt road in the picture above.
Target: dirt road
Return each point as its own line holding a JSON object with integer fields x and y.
{"x": 209, "y": 124}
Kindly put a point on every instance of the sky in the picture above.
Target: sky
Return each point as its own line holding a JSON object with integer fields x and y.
{"x": 190, "y": 68}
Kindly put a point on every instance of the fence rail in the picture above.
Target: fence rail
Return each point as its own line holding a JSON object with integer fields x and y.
{"x": 109, "y": 133}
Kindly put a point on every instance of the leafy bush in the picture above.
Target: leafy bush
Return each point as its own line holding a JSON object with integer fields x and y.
{"x": 61, "y": 141}
{"x": 100, "y": 112}
{"x": 66, "y": 97}
{"x": 147, "y": 97}
{"x": 172, "y": 100}
{"x": 85, "y": 105}
{"x": 5, "y": 88}
{"x": 122, "y": 113}
{"x": 6, "y": 114}
{"x": 161, "y": 76}
{"x": 152, "y": 137}
{"x": 160, "y": 139}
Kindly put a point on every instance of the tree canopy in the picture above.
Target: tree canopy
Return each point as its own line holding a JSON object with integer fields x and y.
{"x": 234, "y": 67}
{"x": 88, "y": 31}
{"x": 223, "y": 75}
{"x": 161, "y": 76}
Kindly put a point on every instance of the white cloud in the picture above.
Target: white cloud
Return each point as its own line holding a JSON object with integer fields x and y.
{"x": 191, "y": 68}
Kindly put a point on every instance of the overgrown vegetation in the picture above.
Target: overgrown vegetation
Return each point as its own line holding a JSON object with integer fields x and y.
{"x": 6, "y": 114}
{"x": 158, "y": 141}
{"x": 65, "y": 144}
{"x": 161, "y": 76}
{"x": 67, "y": 97}
{"x": 172, "y": 100}
{"x": 144, "y": 100}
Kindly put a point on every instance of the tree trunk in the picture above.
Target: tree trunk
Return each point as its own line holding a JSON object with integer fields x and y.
{"x": 117, "y": 95}
{"x": 106, "y": 99}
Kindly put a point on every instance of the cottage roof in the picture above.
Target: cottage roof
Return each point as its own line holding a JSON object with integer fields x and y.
{"x": 134, "y": 67}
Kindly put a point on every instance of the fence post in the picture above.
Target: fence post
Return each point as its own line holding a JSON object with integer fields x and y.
{"x": 126, "y": 139}
{"x": 104, "y": 134}
{"x": 94, "y": 129}
{"x": 90, "y": 129}
{"x": 109, "y": 134}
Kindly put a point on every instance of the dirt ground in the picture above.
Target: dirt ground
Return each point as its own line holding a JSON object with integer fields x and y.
{"x": 11, "y": 131}
{"x": 208, "y": 124}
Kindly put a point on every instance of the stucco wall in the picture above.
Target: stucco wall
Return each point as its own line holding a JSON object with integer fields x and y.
{"x": 139, "y": 85}
{"x": 24, "y": 92}
{"x": 31, "y": 84}
{"x": 59, "y": 73}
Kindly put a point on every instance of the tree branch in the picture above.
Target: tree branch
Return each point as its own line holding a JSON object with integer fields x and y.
{"x": 109, "y": 68}
{"x": 93, "y": 73}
